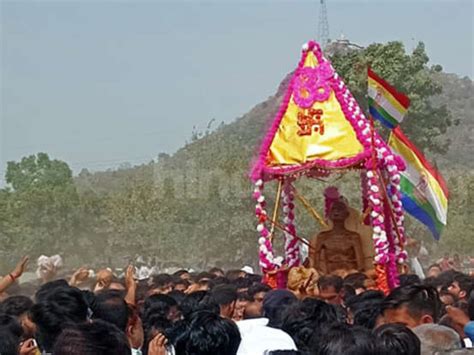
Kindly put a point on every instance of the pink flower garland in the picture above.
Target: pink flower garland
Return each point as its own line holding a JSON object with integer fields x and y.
{"x": 379, "y": 235}
{"x": 265, "y": 246}
{"x": 292, "y": 244}
{"x": 393, "y": 167}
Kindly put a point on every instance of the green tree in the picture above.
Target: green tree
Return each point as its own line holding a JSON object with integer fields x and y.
{"x": 38, "y": 171}
{"x": 39, "y": 210}
{"x": 425, "y": 122}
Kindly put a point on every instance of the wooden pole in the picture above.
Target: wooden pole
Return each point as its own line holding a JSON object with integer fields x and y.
{"x": 279, "y": 226}
{"x": 311, "y": 210}
{"x": 276, "y": 208}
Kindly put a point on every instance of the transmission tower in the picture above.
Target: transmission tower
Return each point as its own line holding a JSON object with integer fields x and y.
{"x": 323, "y": 24}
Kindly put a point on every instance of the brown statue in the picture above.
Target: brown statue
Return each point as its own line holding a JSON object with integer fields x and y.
{"x": 337, "y": 248}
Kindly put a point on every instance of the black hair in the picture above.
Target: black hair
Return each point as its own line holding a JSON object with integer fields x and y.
{"x": 274, "y": 305}
{"x": 141, "y": 291}
{"x": 242, "y": 282}
{"x": 178, "y": 296}
{"x": 9, "y": 343}
{"x": 204, "y": 275}
{"x": 206, "y": 282}
{"x": 360, "y": 299}
{"x": 445, "y": 279}
{"x": 161, "y": 280}
{"x": 356, "y": 280}
{"x": 159, "y": 301}
{"x": 16, "y": 305}
{"x": 48, "y": 288}
{"x": 367, "y": 317}
{"x": 220, "y": 280}
{"x": 157, "y": 310}
{"x": 216, "y": 269}
{"x": 90, "y": 298}
{"x": 244, "y": 296}
{"x": 366, "y": 308}
{"x": 155, "y": 316}
{"x": 396, "y": 339}
{"x": 111, "y": 307}
{"x": 96, "y": 338}
{"x": 330, "y": 280}
{"x": 419, "y": 300}
{"x": 181, "y": 272}
{"x": 223, "y": 295}
{"x": 255, "y": 278}
{"x": 432, "y": 281}
{"x": 234, "y": 274}
{"x": 179, "y": 281}
{"x": 208, "y": 333}
{"x": 409, "y": 279}
{"x": 156, "y": 320}
{"x": 343, "y": 339}
{"x": 302, "y": 319}
{"x": 283, "y": 352}
{"x": 466, "y": 282}
{"x": 10, "y": 324}
{"x": 348, "y": 291}
{"x": 197, "y": 301}
{"x": 257, "y": 288}
{"x": 56, "y": 310}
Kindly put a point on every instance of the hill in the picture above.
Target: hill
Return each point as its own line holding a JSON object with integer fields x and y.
{"x": 206, "y": 179}
{"x": 458, "y": 96}
{"x": 193, "y": 208}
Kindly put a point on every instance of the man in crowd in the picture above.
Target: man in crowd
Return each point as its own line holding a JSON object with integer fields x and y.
{"x": 460, "y": 286}
{"x": 330, "y": 289}
{"x": 412, "y": 305}
{"x": 225, "y": 296}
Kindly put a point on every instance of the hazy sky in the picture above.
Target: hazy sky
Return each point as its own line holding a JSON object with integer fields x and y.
{"x": 97, "y": 83}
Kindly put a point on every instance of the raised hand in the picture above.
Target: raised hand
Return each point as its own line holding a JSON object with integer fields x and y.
{"x": 20, "y": 268}
{"x": 130, "y": 285}
{"x": 457, "y": 315}
{"x": 81, "y": 275}
{"x": 129, "y": 277}
{"x": 104, "y": 279}
{"x": 158, "y": 345}
{"x": 28, "y": 347}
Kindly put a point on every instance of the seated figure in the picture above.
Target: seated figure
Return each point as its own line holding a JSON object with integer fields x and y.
{"x": 345, "y": 245}
{"x": 337, "y": 248}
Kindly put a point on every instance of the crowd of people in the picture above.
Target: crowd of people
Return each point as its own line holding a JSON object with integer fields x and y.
{"x": 231, "y": 312}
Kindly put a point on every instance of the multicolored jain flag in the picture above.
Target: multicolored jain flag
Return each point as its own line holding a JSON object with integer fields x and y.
{"x": 386, "y": 104}
{"x": 424, "y": 191}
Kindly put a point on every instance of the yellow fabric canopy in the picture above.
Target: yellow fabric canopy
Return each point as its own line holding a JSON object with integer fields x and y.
{"x": 319, "y": 132}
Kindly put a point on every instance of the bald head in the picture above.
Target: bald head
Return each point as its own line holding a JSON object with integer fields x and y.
{"x": 436, "y": 338}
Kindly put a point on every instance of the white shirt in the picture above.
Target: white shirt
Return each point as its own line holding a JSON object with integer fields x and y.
{"x": 257, "y": 338}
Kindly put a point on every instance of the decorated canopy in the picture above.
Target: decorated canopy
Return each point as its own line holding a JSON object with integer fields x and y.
{"x": 319, "y": 124}
{"x": 320, "y": 129}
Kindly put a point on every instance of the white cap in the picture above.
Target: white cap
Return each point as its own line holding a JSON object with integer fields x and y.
{"x": 247, "y": 269}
